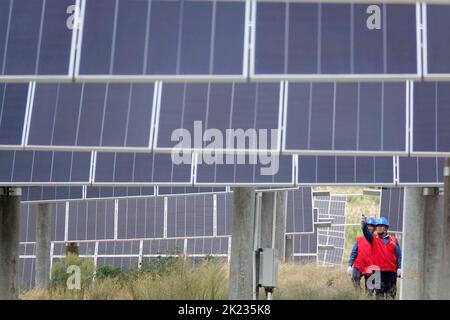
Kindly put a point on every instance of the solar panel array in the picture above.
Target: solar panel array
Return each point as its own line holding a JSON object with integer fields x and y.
{"x": 391, "y": 207}
{"x": 332, "y": 238}
{"x": 91, "y": 41}
{"x": 125, "y": 231}
{"x": 62, "y": 175}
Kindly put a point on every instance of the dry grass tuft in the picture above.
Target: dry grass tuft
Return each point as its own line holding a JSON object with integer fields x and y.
{"x": 209, "y": 281}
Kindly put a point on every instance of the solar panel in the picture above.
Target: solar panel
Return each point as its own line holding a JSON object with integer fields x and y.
{"x": 141, "y": 218}
{"x": 421, "y": 171}
{"x": 92, "y": 116}
{"x": 142, "y": 169}
{"x": 224, "y": 213}
{"x": 305, "y": 244}
{"x": 217, "y": 116}
{"x": 13, "y": 102}
{"x": 163, "y": 40}
{"x": 36, "y": 42}
{"x": 274, "y": 171}
{"x": 345, "y": 170}
{"x": 298, "y": 41}
{"x": 190, "y": 216}
{"x": 26, "y": 272}
{"x": 346, "y": 118}
{"x": 299, "y": 217}
{"x": 437, "y": 49}
{"x": 24, "y": 168}
{"x": 27, "y": 223}
{"x": 175, "y": 191}
{"x": 208, "y": 246}
{"x": 331, "y": 240}
{"x": 90, "y": 220}
{"x": 118, "y": 192}
{"x": 51, "y": 194}
{"x": 391, "y": 207}
{"x": 430, "y": 133}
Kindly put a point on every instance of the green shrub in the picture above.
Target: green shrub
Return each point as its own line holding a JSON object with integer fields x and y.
{"x": 108, "y": 271}
{"x": 60, "y": 276}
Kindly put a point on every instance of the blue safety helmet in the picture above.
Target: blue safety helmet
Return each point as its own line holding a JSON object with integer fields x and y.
{"x": 383, "y": 222}
{"x": 372, "y": 221}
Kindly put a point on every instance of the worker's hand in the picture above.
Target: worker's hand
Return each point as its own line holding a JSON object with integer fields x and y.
{"x": 363, "y": 220}
{"x": 399, "y": 273}
{"x": 349, "y": 271}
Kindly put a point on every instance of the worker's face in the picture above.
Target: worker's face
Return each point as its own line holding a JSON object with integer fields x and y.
{"x": 371, "y": 228}
{"x": 381, "y": 229}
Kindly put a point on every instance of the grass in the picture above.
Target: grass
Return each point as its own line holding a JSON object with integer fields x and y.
{"x": 206, "y": 281}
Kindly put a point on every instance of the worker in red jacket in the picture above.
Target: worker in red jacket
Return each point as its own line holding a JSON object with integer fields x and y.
{"x": 386, "y": 257}
{"x": 361, "y": 258}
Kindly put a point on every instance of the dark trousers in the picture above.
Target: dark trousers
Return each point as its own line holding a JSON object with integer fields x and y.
{"x": 388, "y": 285}
{"x": 356, "y": 279}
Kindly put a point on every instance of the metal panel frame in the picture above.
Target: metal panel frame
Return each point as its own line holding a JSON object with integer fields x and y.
{"x": 345, "y": 184}
{"x": 337, "y": 77}
{"x": 306, "y": 152}
{"x": 427, "y": 75}
{"x": 166, "y": 78}
{"x": 51, "y": 78}
{"x": 26, "y": 134}
{"x": 225, "y": 150}
{"x": 292, "y": 183}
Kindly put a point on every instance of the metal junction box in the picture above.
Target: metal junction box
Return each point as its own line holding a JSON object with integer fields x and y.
{"x": 268, "y": 267}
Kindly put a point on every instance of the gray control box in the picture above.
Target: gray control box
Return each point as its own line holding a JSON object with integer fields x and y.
{"x": 268, "y": 267}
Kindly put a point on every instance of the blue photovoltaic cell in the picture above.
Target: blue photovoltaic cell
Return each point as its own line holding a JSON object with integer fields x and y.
{"x": 391, "y": 207}
{"x": 13, "y": 103}
{"x": 276, "y": 170}
{"x": 305, "y": 243}
{"x": 92, "y": 115}
{"x": 171, "y": 191}
{"x": 224, "y": 213}
{"x": 40, "y": 167}
{"x": 91, "y": 220}
{"x": 431, "y": 110}
{"x": 190, "y": 216}
{"x": 302, "y": 40}
{"x": 35, "y": 40}
{"x": 58, "y": 221}
{"x": 421, "y": 171}
{"x": 118, "y": 247}
{"x": 132, "y": 39}
{"x": 28, "y": 222}
{"x": 345, "y": 170}
{"x": 47, "y": 194}
{"x": 438, "y": 46}
{"x": 141, "y": 218}
{"x": 28, "y": 214}
{"x": 299, "y": 216}
{"x": 140, "y": 169}
{"x": 222, "y": 107}
{"x": 346, "y": 117}
{"x": 26, "y": 272}
{"x": 118, "y": 192}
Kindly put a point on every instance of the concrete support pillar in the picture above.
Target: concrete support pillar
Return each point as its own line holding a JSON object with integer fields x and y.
{"x": 445, "y": 268}
{"x": 9, "y": 242}
{"x": 434, "y": 249}
{"x": 268, "y": 209}
{"x": 280, "y": 223}
{"x": 242, "y": 245}
{"x": 43, "y": 245}
{"x": 413, "y": 244}
{"x": 289, "y": 249}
